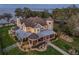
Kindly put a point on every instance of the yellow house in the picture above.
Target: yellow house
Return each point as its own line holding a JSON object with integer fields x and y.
{"x": 34, "y": 32}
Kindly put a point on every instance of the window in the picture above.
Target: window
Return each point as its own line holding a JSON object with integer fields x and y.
{"x": 25, "y": 39}
{"x": 34, "y": 42}
{"x": 38, "y": 30}
{"x": 51, "y": 36}
{"x": 47, "y": 37}
{"x": 49, "y": 22}
{"x": 41, "y": 39}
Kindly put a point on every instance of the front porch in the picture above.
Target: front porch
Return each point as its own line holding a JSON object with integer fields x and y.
{"x": 35, "y": 44}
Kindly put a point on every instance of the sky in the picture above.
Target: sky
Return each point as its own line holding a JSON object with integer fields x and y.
{"x": 34, "y": 6}
{"x": 10, "y": 8}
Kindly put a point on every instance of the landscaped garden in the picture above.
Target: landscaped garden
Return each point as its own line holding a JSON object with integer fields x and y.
{"x": 74, "y": 44}
{"x": 62, "y": 45}
{"x": 67, "y": 45}
{"x": 7, "y": 41}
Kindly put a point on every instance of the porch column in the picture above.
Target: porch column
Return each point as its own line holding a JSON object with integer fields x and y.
{"x": 30, "y": 42}
{"x": 45, "y": 38}
{"x": 49, "y": 37}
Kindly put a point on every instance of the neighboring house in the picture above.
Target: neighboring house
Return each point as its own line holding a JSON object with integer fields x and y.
{"x": 13, "y": 20}
{"x": 3, "y": 22}
{"x": 34, "y": 33}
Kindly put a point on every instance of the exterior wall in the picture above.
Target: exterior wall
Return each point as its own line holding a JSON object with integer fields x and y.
{"x": 33, "y": 30}
{"x": 30, "y": 29}
{"x": 18, "y": 22}
{"x": 46, "y": 27}
{"x": 24, "y": 27}
{"x": 50, "y": 24}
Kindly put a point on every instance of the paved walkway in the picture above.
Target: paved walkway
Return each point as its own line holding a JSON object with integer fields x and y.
{"x": 10, "y": 47}
{"x": 57, "y": 48}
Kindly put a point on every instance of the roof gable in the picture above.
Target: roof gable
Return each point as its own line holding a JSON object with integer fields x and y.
{"x": 33, "y": 21}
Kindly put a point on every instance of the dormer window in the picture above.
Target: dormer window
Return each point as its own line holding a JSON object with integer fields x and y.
{"x": 37, "y": 30}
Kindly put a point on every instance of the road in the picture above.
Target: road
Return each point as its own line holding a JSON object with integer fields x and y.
{"x": 57, "y": 48}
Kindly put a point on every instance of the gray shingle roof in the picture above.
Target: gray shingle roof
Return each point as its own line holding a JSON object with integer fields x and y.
{"x": 33, "y": 36}
{"x": 33, "y": 21}
{"x": 21, "y": 34}
{"x": 45, "y": 33}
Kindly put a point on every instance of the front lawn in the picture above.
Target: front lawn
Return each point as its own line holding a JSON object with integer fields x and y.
{"x": 6, "y": 39}
{"x": 62, "y": 45}
{"x": 49, "y": 51}
{"x": 67, "y": 45}
{"x": 74, "y": 44}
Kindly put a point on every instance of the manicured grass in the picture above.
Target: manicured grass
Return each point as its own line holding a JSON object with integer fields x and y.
{"x": 6, "y": 39}
{"x": 49, "y": 51}
{"x": 15, "y": 51}
{"x": 74, "y": 44}
{"x": 67, "y": 45}
{"x": 62, "y": 45}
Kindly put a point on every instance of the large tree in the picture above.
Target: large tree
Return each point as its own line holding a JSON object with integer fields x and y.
{"x": 7, "y": 15}
{"x": 73, "y": 23}
{"x": 26, "y": 12}
{"x": 18, "y": 12}
{"x": 65, "y": 13}
{"x": 45, "y": 13}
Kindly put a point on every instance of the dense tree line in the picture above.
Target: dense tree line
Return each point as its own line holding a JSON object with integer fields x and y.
{"x": 26, "y": 12}
{"x": 65, "y": 13}
{"x": 71, "y": 16}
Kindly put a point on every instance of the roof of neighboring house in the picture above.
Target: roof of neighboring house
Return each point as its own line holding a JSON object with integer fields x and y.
{"x": 3, "y": 21}
{"x": 33, "y": 21}
{"x": 21, "y": 34}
